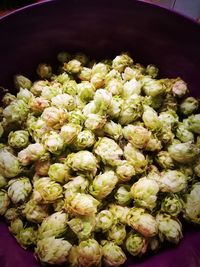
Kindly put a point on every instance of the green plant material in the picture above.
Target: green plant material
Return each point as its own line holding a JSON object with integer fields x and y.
{"x": 53, "y": 225}
{"x": 169, "y": 228}
{"x": 143, "y": 222}
{"x": 136, "y": 244}
{"x": 53, "y": 250}
{"x": 19, "y": 189}
{"x": 113, "y": 255}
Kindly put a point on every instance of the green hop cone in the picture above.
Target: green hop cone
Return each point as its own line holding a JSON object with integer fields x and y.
{"x": 184, "y": 152}
{"x": 25, "y": 95}
{"x": 44, "y": 71}
{"x": 192, "y": 204}
{"x": 69, "y": 132}
{"x": 152, "y": 70}
{"x": 89, "y": 253}
{"x": 188, "y": 106}
{"x": 73, "y": 66}
{"x": 54, "y": 117}
{"x": 169, "y": 228}
{"x": 108, "y": 150}
{"x": 85, "y": 74}
{"x": 103, "y": 184}
{"x": 19, "y": 189}
{"x": 104, "y": 221}
{"x": 144, "y": 193}
{"x": 84, "y": 140}
{"x": 119, "y": 213}
{"x": 122, "y": 61}
{"x": 138, "y": 136}
{"x": 18, "y": 139}
{"x": 152, "y": 87}
{"x": 115, "y": 107}
{"x": 59, "y": 172}
{"x": 164, "y": 160}
{"x": 142, "y": 222}
{"x": 4, "y": 202}
{"x": 39, "y": 86}
{"x": 54, "y": 225}
{"x": 117, "y": 233}
{"x": 64, "y": 101}
{"x": 123, "y": 195}
{"x": 135, "y": 244}
{"x": 7, "y": 99}
{"x": 53, "y": 142}
{"x": 69, "y": 86}
{"x": 27, "y": 237}
{"x": 16, "y": 112}
{"x": 94, "y": 121}
{"x": 136, "y": 158}
{"x": 113, "y": 130}
{"x": 194, "y": 123}
{"x": 151, "y": 119}
{"x": 79, "y": 184}
{"x": 131, "y": 110}
{"x": 114, "y": 86}
{"x": 76, "y": 117}
{"x": 11, "y": 214}
{"x": 113, "y": 255}
{"x": 53, "y": 250}
{"x": 102, "y": 101}
{"x": 154, "y": 144}
{"x": 48, "y": 91}
{"x": 82, "y": 161}
{"x": 16, "y": 226}
{"x": 131, "y": 87}
{"x": 86, "y": 91}
{"x": 172, "y": 204}
{"x": 72, "y": 260}
{"x": 125, "y": 171}
{"x": 21, "y": 81}
{"x": 3, "y": 181}
{"x": 35, "y": 212}
{"x": 46, "y": 191}
{"x": 31, "y": 153}
{"x": 183, "y": 134}
{"x": 9, "y": 164}
{"x": 82, "y": 226}
{"x": 173, "y": 181}
{"x": 81, "y": 204}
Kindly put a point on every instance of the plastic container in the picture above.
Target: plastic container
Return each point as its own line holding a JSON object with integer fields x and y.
{"x": 101, "y": 28}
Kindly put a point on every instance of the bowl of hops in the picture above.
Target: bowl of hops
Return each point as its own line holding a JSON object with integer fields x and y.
{"x": 99, "y": 135}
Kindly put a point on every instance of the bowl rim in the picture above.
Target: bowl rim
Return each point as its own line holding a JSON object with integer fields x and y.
{"x": 142, "y": 2}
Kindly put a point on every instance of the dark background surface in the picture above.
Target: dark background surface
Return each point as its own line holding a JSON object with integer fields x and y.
{"x": 188, "y": 7}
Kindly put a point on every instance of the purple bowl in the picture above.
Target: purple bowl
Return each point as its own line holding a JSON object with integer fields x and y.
{"x": 101, "y": 28}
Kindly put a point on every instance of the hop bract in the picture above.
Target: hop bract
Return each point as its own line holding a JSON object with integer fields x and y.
{"x": 54, "y": 225}
{"x": 53, "y": 250}
{"x": 9, "y": 164}
{"x": 113, "y": 255}
{"x": 89, "y": 253}
{"x": 191, "y": 205}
